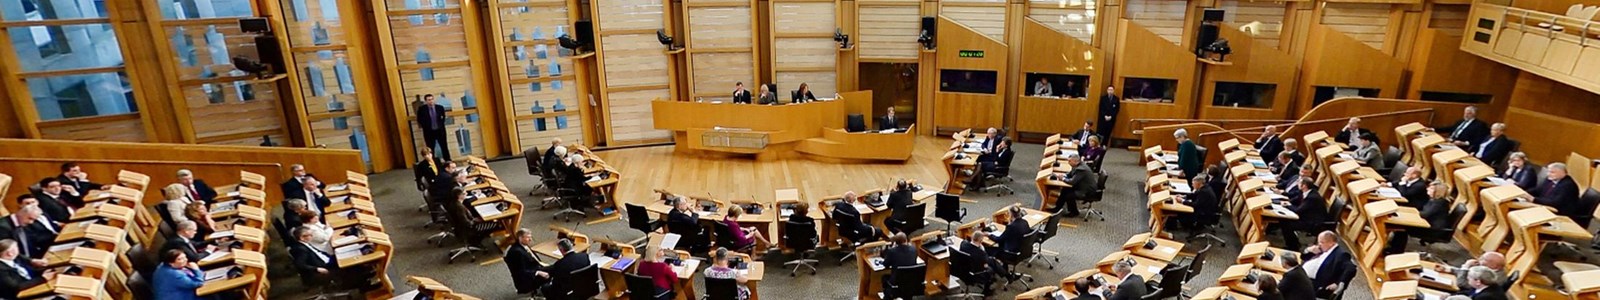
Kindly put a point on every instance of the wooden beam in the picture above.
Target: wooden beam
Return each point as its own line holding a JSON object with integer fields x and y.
{"x": 65, "y": 72}
{"x": 54, "y": 22}
{"x": 88, "y": 120}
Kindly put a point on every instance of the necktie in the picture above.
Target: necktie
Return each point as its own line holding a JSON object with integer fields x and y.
{"x": 22, "y": 238}
{"x": 194, "y": 193}
{"x": 431, "y": 114}
{"x": 1463, "y": 126}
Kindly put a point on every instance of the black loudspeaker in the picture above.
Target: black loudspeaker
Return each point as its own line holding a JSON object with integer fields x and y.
{"x": 254, "y": 25}
{"x": 270, "y": 53}
{"x": 585, "y": 29}
{"x": 1213, "y": 15}
{"x": 1208, "y": 34}
{"x": 930, "y": 25}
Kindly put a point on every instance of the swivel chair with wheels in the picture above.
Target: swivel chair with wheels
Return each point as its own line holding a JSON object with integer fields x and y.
{"x": 906, "y": 282}
{"x": 644, "y": 288}
{"x": 947, "y": 208}
{"x": 801, "y": 237}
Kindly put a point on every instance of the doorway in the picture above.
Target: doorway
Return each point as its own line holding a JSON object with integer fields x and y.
{"x": 892, "y": 84}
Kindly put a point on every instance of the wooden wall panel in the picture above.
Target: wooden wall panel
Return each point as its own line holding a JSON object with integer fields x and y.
{"x": 1438, "y": 65}
{"x": 888, "y": 30}
{"x": 1365, "y": 22}
{"x": 1074, "y": 18}
{"x": 1450, "y": 18}
{"x": 1260, "y": 20}
{"x": 1533, "y": 130}
{"x": 1052, "y": 51}
{"x": 803, "y": 50}
{"x": 721, "y": 48}
{"x": 227, "y": 116}
{"x": 117, "y": 128}
{"x": 1254, "y": 61}
{"x": 953, "y": 110}
{"x": 720, "y": 26}
{"x": 716, "y": 72}
{"x": 537, "y": 75}
{"x": 1542, "y": 95}
{"x": 987, "y": 18}
{"x": 634, "y": 69}
{"x": 1144, "y": 54}
{"x": 1165, "y": 18}
{"x": 1334, "y": 59}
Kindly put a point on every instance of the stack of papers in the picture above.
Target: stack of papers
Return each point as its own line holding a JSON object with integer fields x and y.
{"x": 214, "y": 256}
{"x": 337, "y": 187}
{"x": 1181, "y": 188}
{"x": 487, "y": 209}
{"x": 785, "y": 212}
{"x": 218, "y": 273}
{"x": 1389, "y": 192}
{"x": 1498, "y": 181}
{"x": 63, "y": 247}
{"x": 1032, "y": 218}
{"x": 346, "y": 239}
{"x": 220, "y": 234}
{"x": 599, "y": 260}
{"x": 348, "y": 251}
{"x": 670, "y": 241}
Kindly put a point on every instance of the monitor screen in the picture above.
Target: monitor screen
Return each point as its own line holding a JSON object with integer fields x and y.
{"x": 968, "y": 81}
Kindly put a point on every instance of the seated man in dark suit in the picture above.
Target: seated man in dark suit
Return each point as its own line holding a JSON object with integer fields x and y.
{"x": 554, "y": 161}
{"x": 1090, "y": 288}
{"x": 981, "y": 261}
{"x": 1283, "y": 168}
{"x": 1467, "y": 132}
{"x": 527, "y": 273}
{"x": 1412, "y": 187}
{"x": 293, "y": 184}
{"x": 850, "y": 220}
{"x": 1494, "y": 148}
{"x": 310, "y": 261}
{"x": 900, "y": 197}
{"x": 1012, "y": 238}
{"x": 1295, "y": 281}
{"x": 17, "y": 272}
{"x": 32, "y": 236}
{"x": 1291, "y": 188}
{"x": 899, "y": 254}
{"x": 1558, "y": 191}
{"x": 1082, "y": 181}
{"x": 1311, "y": 209}
{"x": 1336, "y": 265}
{"x": 1292, "y": 147}
{"x": 1518, "y": 171}
{"x": 72, "y": 175}
{"x": 1269, "y": 144}
{"x": 198, "y": 189}
{"x": 1353, "y": 129}
{"x": 1205, "y": 203}
{"x": 571, "y": 260}
{"x": 1485, "y": 284}
{"x": 184, "y": 240}
{"x": 1082, "y": 135}
{"x": 889, "y": 120}
{"x": 313, "y": 194}
{"x": 56, "y": 200}
{"x": 1132, "y": 286}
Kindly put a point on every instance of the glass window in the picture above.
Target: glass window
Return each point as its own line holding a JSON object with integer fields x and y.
{"x": 82, "y": 95}
{"x": 1149, "y": 89}
{"x": 1456, "y": 97}
{"x": 205, "y": 9}
{"x": 66, "y": 47}
{"x": 1242, "y": 94}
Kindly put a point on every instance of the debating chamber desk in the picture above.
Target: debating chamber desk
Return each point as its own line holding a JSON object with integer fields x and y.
{"x": 781, "y": 131}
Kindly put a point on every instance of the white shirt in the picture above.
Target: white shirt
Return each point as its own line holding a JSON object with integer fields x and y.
{"x": 20, "y": 270}
{"x": 320, "y": 255}
{"x": 1483, "y": 148}
{"x": 1315, "y": 264}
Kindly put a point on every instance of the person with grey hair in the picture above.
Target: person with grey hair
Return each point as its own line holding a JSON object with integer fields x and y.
{"x": 1189, "y": 157}
{"x": 1519, "y": 172}
{"x": 1269, "y": 144}
{"x": 571, "y": 260}
{"x": 1205, "y": 202}
{"x": 1132, "y": 286}
{"x": 1559, "y": 191}
{"x": 1081, "y": 182}
{"x": 296, "y": 180}
{"x": 291, "y": 212}
{"x": 1493, "y": 261}
{"x": 17, "y": 272}
{"x": 184, "y": 240}
{"x": 1328, "y": 264}
{"x": 1353, "y": 129}
{"x": 527, "y": 272}
{"x": 1485, "y": 284}
{"x": 1367, "y": 152}
{"x": 1295, "y": 281}
{"x": 24, "y": 227}
{"x": 1494, "y": 148}
{"x": 197, "y": 189}
{"x": 1468, "y": 131}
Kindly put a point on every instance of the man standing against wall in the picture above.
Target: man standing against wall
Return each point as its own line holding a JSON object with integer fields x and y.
{"x": 430, "y": 118}
{"x": 1109, "y": 106}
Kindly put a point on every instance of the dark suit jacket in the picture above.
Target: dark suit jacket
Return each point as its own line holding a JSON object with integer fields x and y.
{"x": 1493, "y": 152}
{"x": 1082, "y": 135}
{"x": 1296, "y": 282}
{"x": 1109, "y": 106}
{"x": 39, "y": 238}
{"x": 1286, "y": 172}
{"x": 1083, "y": 180}
{"x": 58, "y": 208}
{"x": 320, "y": 200}
{"x": 572, "y": 261}
{"x": 804, "y": 97}
{"x": 1088, "y": 296}
{"x": 900, "y": 256}
{"x": 1489, "y": 293}
{"x": 886, "y": 123}
{"x": 291, "y": 185}
{"x": 190, "y": 248}
{"x": 1561, "y": 195}
{"x": 1311, "y": 209}
{"x": 1344, "y": 135}
{"x": 11, "y": 282}
{"x": 1131, "y": 288}
{"x": 306, "y": 260}
{"x": 1011, "y": 239}
{"x": 1339, "y": 267}
{"x": 677, "y": 218}
{"x": 1269, "y": 147}
{"x": 207, "y": 194}
{"x": 900, "y": 199}
{"x": 741, "y": 97}
{"x": 1204, "y": 201}
{"x": 1437, "y": 212}
{"x": 82, "y": 186}
{"x": 1189, "y": 159}
{"x": 423, "y": 174}
{"x": 1416, "y": 193}
{"x": 523, "y": 266}
{"x": 1525, "y": 177}
{"x": 1298, "y": 157}
{"x": 426, "y": 119}
{"x": 1474, "y": 132}
{"x": 980, "y": 256}
{"x": 850, "y": 218}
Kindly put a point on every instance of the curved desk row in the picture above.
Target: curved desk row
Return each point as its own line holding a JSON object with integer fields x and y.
{"x": 773, "y": 131}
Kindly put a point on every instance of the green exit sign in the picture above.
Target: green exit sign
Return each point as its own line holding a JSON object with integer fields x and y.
{"x": 971, "y": 53}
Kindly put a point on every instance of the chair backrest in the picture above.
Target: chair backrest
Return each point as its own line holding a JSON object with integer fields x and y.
{"x": 912, "y": 215}
{"x": 1587, "y": 201}
{"x": 283, "y": 230}
{"x": 533, "y": 158}
{"x": 724, "y": 235}
{"x": 1172, "y": 281}
{"x": 640, "y": 286}
{"x": 583, "y": 283}
{"x": 1198, "y": 264}
{"x": 800, "y": 236}
{"x": 908, "y": 280}
{"x": 139, "y": 286}
{"x": 638, "y": 217}
{"x": 1027, "y": 242}
{"x": 855, "y": 123}
{"x": 961, "y": 264}
{"x": 947, "y": 207}
{"x": 721, "y": 289}
{"x": 1004, "y": 163}
{"x": 1050, "y": 227}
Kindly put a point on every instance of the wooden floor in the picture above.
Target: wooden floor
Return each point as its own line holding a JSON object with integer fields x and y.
{"x": 649, "y": 168}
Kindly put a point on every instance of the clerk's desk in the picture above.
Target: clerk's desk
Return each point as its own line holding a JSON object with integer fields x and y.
{"x": 772, "y": 131}
{"x": 430, "y": 288}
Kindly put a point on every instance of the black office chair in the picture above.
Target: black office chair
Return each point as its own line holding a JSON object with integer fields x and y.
{"x": 801, "y": 237}
{"x": 1446, "y": 235}
{"x": 470, "y": 231}
{"x": 693, "y": 238}
{"x": 906, "y": 282}
{"x": 1021, "y": 256}
{"x": 849, "y": 238}
{"x": 1049, "y": 231}
{"x": 998, "y": 171}
{"x": 583, "y": 283}
{"x": 639, "y": 219}
{"x": 535, "y": 160}
{"x": 908, "y": 219}
{"x": 550, "y": 179}
{"x": 166, "y": 216}
{"x": 1096, "y": 195}
{"x": 721, "y": 289}
{"x": 283, "y": 231}
{"x": 725, "y": 238}
{"x": 855, "y": 123}
{"x": 1171, "y": 284}
{"x": 572, "y": 203}
{"x": 1335, "y": 214}
{"x": 947, "y": 208}
{"x": 967, "y": 269}
{"x": 643, "y": 287}
{"x": 1339, "y": 292}
{"x": 1587, "y": 203}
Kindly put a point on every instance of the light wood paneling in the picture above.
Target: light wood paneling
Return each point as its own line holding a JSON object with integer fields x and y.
{"x": 1054, "y": 52}
{"x": 1450, "y": 18}
{"x": 968, "y": 110}
{"x": 1543, "y": 95}
{"x": 628, "y": 14}
{"x": 1143, "y": 54}
{"x": 538, "y": 73}
{"x": 1439, "y": 65}
{"x": 1074, "y": 18}
{"x": 1163, "y": 17}
{"x": 1254, "y": 61}
{"x": 720, "y": 26}
{"x": 721, "y": 47}
{"x": 888, "y": 29}
{"x": 715, "y": 74}
{"x": 117, "y": 128}
{"x": 987, "y": 18}
{"x": 633, "y": 67}
{"x": 1533, "y": 130}
{"x": 634, "y": 60}
{"x": 232, "y": 116}
{"x": 803, "y": 50}
{"x": 630, "y": 115}
{"x": 1365, "y": 22}
{"x": 1334, "y": 59}
{"x": 1260, "y": 20}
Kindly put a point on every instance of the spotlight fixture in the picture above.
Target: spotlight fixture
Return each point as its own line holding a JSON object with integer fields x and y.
{"x": 843, "y": 39}
{"x": 666, "y": 40}
{"x": 926, "y": 40}
{"x": 1220, "y": 48}
{"x": 568, "y": 42}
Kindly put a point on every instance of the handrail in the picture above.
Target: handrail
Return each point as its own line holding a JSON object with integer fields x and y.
{"x": 149, "y": 162}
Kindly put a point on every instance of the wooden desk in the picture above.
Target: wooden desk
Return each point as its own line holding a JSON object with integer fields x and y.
{"x": 1234, "y": 277}
{"x": 1410, "y": 266}
{"x": 579, "y": 241}
{"x": 71, "y": 287}
{"x": 1163, "y": 249}
{"x": 1582, "y": 284}
{"x": 870, "y": 267}
{"x": 1252, "y": 254}
{"x": 1144, "y": 267}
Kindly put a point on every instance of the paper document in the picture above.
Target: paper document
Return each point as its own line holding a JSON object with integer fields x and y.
{"x": 342, "y": 240}
{"x": 348, "y": 251}
{"x": 592, "y": 179}
{"x": 600, "y": 260}
{"x": 1033, "y": 218}
{"x": 214, "y": 256}
{"x": 338, "y": 187}
{"x": 886, "y": 131}
{"x": 1498, "y": 181}
{"x": 1154, "y": 269}
{"x": 1430, "y": 274}
{"x": 217, "y": 273}
{"x": 63, "y": 247}
{"x": 1169, "y": 250}
{"x": 220, "y": 234}
{"x": 1389, "y": 192}
{"x": 670, "y": 241}
{"x": 233, "y": 194}
{"x": 785, "y": 212}
{"x": 1181, "y": 188}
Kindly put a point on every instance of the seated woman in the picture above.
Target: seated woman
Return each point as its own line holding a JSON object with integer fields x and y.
{"x": 201, "y": 215}
{"x": 659, "y": 272}
{"x": 743, "y": 236}
{"x": 720, "y": 269}
{"x": 1092, "y": 152}
{"x": 321, "y": 234}
{"x": 177, "y": 200}
{"x": 176, "y": 278}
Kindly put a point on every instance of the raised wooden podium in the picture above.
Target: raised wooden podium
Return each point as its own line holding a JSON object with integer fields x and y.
{"x": 779, "y": 131}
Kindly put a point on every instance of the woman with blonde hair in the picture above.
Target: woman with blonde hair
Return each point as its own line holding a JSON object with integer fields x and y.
{"x": 201, "y": 215}
{"x": 176, "y": 203}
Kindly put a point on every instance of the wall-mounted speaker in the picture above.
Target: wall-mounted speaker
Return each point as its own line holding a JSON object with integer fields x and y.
{"x": 585, "y": 29}
{"x": 254, "y": 25}
{"x": 930, "y": 30}
{"x": 1208, "y": 29}
{"x": 1213, "y": 15}
{"x": 270, "y": 53}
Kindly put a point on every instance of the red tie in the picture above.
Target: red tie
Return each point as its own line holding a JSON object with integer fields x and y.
{"x": 194, "y": 193}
